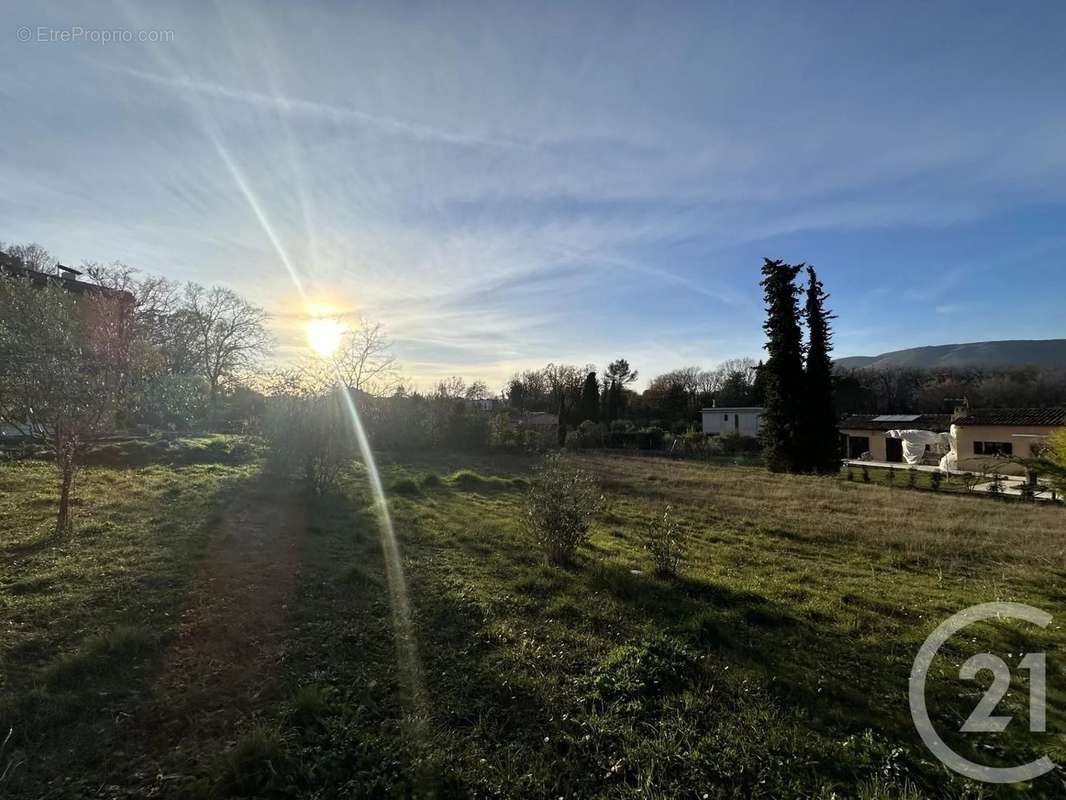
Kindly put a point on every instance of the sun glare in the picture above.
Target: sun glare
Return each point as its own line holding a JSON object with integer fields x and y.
{"x": 324, "y": 336}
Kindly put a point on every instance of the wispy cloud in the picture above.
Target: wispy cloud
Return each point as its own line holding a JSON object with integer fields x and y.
{"x": 311, "y": 108}
{"x": 579, "y": 186}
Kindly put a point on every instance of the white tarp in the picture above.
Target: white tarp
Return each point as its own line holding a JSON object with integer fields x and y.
{"x": 915, "y": 441}
{"x": 950, "y": 462}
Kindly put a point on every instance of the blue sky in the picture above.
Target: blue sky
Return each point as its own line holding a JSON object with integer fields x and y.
{"x": 503, "y": 185}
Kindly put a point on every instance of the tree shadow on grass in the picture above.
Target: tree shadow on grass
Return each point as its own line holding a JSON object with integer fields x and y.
{"x": 841, "y": 685}
{"x": 78, "y": 704}
{"x": 376, "y": 735}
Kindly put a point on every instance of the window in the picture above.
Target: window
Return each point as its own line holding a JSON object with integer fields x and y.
{"x": 857, "y": 445}
{"x": 993, "y": 449}
{"x": 725, "y": 417}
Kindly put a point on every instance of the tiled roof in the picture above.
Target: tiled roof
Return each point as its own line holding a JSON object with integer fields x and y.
{"x": 938, "y": 423}
{"x": 1014, "y": 416}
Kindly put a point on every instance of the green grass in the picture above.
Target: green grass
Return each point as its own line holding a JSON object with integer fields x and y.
{"x": 774, "y": 665}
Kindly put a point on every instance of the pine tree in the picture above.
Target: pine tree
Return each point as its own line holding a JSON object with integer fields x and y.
{"x": 589, "y": 406}
{"x": 821, "y": 450}
{"x": 783, "y": 370}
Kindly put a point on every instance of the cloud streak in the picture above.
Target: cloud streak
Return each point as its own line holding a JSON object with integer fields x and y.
{"x": 500, "y": 188}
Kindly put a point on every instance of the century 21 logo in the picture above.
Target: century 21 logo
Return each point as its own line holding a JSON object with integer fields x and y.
{"x": 982, "y": 719}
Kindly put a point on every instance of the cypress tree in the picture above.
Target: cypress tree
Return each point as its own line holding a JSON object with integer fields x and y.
{"x": 589, "y": 405}
{"x": 783, "y": 370}
{"x": 820, "y": 423}
{"x": 758, "y": 387}
{"x": 618, "y": 398}
{"x": 611, "y": 401}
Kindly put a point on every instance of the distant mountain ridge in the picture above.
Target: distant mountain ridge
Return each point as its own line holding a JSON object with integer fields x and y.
{"x": 1047, "y": 353}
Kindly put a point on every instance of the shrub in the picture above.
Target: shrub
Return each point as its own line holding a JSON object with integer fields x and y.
{"x": 912, "y": 478}
{"x": 1054, "y": 459}
{"x": 252, "y": 767}
{"x": 312, "y": 433}
{"x": 406, "y": 487}
{"x": 851, "y": 474}
{"x": 996, "y": 486}
{"x": 664, "y": 541}
{"x": 935, "y": 480}
{"x": 891, "y": 477}
{"x": 865, "y": 474}
{"x": 691, "y": 443}
{"x": 469, "y": 481}
{"x": 561, "y": 504}
{"x": 733, "y": 444}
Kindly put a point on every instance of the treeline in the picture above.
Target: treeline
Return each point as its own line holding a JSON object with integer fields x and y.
{"x": 197, "y": 347}
{"x": 672, "y": 401}
{"x": 80, "y": 360}
{"x": 938, "y": 391}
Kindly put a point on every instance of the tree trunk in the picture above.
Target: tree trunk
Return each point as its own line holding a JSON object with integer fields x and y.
{"x": 213, "y": 407}
{"x": 66, "y": 490}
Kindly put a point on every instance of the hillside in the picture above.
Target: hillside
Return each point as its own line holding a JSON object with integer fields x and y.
{"x": 1015, "y": 353}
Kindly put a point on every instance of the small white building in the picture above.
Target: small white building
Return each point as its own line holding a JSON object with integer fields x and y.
{"x": 485, "y": 403}
{"x": 734, "y": 421}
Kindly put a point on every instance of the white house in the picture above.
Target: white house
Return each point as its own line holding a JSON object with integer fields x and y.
{"x": 486, "y": 403}
{"x": 734, "y": 421}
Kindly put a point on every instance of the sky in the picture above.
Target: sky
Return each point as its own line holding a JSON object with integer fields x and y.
{"x": 501, "y": 185}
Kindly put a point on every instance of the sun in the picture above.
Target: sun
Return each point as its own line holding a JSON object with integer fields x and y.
{"x": 324, "y": 335}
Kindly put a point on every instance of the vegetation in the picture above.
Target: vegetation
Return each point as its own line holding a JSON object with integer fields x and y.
{"x": 228, "y": 335}
{"x": 589, "y": 404}
{"x": 560, "y": 507}
{"x": 216, "y": 628}
{"x": 783, "y": 428}
{"x": 67, "y": 365}
{"x": 870, "y": 390}
{"x": 311, "y": 435}
{"x": 218, "y": 632}
{"x": 1054, "y": 463}
{"x": 820, "y": 417}
{"x": 664, "y": 540}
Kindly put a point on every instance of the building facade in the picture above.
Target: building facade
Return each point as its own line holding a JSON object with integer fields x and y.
{"x": 992, "y": 440}
{"x": 868, "y": 433}
{"x": 733, "y": 421}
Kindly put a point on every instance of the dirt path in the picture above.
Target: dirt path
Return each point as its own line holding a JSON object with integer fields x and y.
{"x": 225, "y": 661}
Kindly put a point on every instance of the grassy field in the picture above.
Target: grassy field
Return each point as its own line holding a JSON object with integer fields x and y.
{"x": 211, "y": 631}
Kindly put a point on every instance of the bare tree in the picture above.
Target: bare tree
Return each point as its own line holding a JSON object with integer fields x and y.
{"x": 364, "y": 361}
{"x": 32, "y": 255}
{"x": 478, "y": 390}
{"x": 565, "y": 380}
{"x": 157, "y": 312}
{"x": 451, "y": 388}
{"x": 66, "y": 365}
{"x": 229, "y": 334}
